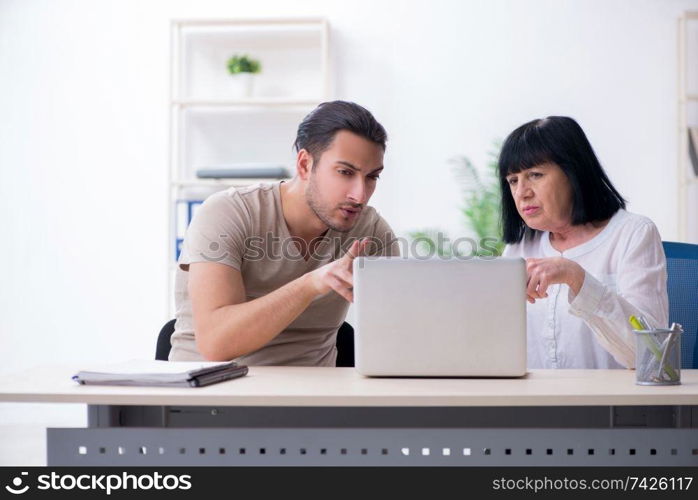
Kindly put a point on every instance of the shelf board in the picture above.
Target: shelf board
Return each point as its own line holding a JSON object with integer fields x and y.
{"x": 688, "y": 181}
{"x": 223, "y": 182}
{"x": 251, "y": 21}
{"x": 260, "y": 102}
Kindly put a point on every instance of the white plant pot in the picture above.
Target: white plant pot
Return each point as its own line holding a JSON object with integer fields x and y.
{"x": 242, "y": 85}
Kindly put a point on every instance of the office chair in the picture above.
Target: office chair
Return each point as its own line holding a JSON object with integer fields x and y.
{"x": 163, "y": 346}
{"x": 682, "y": 287}
{"x": 345, "y": 343}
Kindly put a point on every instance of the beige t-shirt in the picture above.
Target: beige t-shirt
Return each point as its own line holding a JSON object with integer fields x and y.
{"x": 245, "y": 228}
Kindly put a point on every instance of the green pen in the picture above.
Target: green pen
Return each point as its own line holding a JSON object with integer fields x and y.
{"x": 635, "y": 323}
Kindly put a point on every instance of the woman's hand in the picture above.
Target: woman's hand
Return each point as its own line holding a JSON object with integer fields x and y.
{"x": 551, "y": 271}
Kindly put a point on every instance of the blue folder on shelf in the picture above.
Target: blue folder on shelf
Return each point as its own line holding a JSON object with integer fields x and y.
{"x": 184, "y": 214}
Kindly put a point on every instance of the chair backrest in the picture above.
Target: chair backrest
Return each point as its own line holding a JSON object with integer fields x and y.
{"x": 162, "y": 349}
{"x": 682, "y": 287}
{"x": 345, "y": 345}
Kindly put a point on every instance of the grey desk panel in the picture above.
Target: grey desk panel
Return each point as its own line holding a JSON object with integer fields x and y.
{"x": 372, "y": 447}
{"x": 393, "y": 417}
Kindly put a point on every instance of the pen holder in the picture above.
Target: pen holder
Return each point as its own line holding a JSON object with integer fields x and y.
{"x": 658, "y": 360}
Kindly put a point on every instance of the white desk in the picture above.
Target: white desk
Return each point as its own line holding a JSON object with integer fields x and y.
{"x": 334, "y": 416}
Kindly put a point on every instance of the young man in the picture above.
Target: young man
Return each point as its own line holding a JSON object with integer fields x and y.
{"x": 265, "y": 273}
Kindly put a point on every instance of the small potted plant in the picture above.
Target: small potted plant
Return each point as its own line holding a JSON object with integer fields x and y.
{"x": 243, "y": 69}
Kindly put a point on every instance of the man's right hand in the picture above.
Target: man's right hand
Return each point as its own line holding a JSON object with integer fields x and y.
{"x": 338, "y": 275}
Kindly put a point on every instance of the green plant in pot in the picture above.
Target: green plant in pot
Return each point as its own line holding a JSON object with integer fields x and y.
{"x": 480, "y": 211}
{"x": 243, "y": 68}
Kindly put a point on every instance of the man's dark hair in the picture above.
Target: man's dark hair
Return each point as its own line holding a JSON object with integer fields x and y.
{"x": 559, "y": 140}
{"x": 318, "y": 128}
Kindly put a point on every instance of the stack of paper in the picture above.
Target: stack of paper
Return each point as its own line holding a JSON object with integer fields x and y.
{"x": 162, "y": 373}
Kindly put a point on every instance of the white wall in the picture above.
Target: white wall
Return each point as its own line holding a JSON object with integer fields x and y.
{"x": 83, "y": 132}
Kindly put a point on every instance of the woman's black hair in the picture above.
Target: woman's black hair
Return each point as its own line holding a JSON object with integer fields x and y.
{"x": 318, "y": 128}
{"x": 559, "y": 140}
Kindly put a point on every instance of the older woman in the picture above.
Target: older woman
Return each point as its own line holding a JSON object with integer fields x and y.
{"x": 590, "y": 263}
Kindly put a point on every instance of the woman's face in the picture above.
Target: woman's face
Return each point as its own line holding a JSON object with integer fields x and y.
{"x": 543, "y": 197}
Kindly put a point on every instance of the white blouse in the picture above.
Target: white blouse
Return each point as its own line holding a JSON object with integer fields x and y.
{"x": 625, "y": 274}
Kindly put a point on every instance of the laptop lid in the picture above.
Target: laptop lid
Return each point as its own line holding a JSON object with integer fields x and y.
{"x": 440, "y": 317}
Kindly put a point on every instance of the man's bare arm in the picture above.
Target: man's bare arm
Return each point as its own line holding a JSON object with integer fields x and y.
{"x": 226, "y": 326}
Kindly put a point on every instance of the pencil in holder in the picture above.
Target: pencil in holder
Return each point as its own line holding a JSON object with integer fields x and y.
{"x": 658, "y": 360}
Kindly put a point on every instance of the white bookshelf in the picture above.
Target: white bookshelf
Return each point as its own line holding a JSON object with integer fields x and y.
{"x": 688, "y": 118}
{"x": 211, "y": 126}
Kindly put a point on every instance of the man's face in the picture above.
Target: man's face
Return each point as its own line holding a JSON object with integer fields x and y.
{"x": 343, "y": 180}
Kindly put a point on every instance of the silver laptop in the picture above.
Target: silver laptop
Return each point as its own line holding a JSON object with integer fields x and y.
{"x": 440, "y": 318}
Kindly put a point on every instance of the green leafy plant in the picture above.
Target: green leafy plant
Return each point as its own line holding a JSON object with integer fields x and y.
{"x": 480, "y": 209}
{"x": 243, "y": 64}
